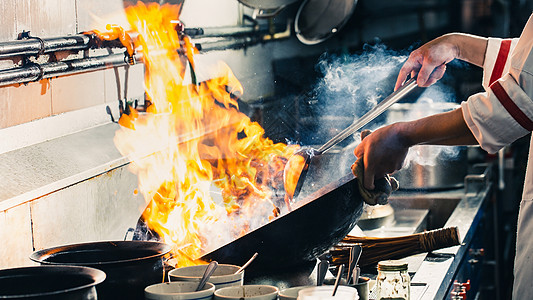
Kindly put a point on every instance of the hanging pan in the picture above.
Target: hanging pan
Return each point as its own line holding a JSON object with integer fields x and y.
{"x": 318, "y": 20}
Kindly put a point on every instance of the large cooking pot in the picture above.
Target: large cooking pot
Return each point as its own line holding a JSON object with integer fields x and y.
{"x": 433, "y": 167}
{"x": 50, "y": 282}
{"x": 130, "y": 266}
{"x": 327, "y": 208}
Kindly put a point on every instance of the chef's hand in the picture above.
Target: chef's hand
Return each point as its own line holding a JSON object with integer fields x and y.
{"x": 428, "y": 62}
{"x": 383, "y": 152}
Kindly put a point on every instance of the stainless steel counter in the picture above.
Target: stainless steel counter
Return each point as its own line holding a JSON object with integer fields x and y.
{"x": 438, "y": 270}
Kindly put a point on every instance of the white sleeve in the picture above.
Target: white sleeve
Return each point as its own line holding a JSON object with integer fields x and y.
{"x": 497, "y": 62}
{"x": 499, "y": 116}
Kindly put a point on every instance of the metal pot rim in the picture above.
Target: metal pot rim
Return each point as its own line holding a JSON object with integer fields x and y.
{"x": 41, "y": 256}
{"x": 96, "y": 275}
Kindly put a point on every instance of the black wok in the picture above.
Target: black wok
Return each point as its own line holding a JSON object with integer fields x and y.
{"x": 130, "y": 266}
{"x": 328, "y": 207}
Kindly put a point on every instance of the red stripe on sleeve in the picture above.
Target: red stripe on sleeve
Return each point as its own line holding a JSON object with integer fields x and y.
{"x": 511, "y": 107}
{"x": 503, "y": 53}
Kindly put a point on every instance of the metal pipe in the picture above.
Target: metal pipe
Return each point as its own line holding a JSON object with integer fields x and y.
{"x": 222, "y": 31}
{"x": 35, "y": 45}
{"x": 35, "y": 72}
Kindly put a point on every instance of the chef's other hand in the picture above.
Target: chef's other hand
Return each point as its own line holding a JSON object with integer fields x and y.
{"x": 382, "y": 151}
{"x": 429, "y": 62}
{"x": 384, "y": 186}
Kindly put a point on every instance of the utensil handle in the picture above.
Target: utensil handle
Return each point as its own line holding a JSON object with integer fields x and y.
{"x": 208, "y": 272}
{"x": 337, "y": 280}
{"x": 371, "y": 114}
{"x": 323, "y": 267}
{"x": 247, "y": 263}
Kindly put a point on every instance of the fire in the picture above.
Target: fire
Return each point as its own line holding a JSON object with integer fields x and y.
{"x": 205, "y": 169}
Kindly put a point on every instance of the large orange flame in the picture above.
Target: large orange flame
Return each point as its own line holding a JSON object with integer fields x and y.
{"x": 206, "y": 170}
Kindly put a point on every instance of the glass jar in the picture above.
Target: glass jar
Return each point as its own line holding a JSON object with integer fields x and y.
{"x": 393, "y": 281}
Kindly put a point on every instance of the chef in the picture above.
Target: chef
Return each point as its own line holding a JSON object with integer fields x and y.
{"x": 492, "y": 119}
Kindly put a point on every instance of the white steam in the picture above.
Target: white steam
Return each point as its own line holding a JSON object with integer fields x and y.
{"x": 352, "y": 85}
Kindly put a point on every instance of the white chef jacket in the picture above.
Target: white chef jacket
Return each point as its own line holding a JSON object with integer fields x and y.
{"x": 501, "y": 115}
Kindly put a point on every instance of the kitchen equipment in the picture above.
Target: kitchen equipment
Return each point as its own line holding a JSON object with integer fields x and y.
{"x": 328, "y": 208}
{"x": 291, "y": 293}
{"x": 337, "y": 280}
{"x": 50, "y": 282}
{"x": 362, "y": 288}
{"x": 267, "y": 8}
{"x": 178, "y": 291}
{"x": 324, "y": 292}
{"x": 247, "y": 263}
{"x": 375, "y": 249}
{"x": 318, "y": 20}
{"x": 355, "y": 253}
{"x": 430, "y": 166}
{"x": 297, "y": 238}
{"x": 255, "y": 292}
{"x": 130, "y": 266}
{"x": 298, "y": 164}
{"x": 323, "y": 267}
{"x": 224, "y": 275}
{"x": 211, "y": 267}
{"x": 376, "y": 216}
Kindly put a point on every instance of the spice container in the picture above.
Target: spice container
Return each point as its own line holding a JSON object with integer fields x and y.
{"x": 393, "y": 281}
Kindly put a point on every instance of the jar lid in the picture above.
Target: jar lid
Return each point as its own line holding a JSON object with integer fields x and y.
{"x": 392, "y": 265}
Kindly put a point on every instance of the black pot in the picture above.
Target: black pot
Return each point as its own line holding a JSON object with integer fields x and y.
{"x": 130, "y": 266}
{"x": 50, "y": 282}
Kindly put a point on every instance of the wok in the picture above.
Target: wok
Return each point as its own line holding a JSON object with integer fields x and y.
{"x": 130, "y": 266}
{"x": 327, "y": 208}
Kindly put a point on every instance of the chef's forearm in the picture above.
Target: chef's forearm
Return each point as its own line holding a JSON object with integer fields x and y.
{"x": 447, "y": 128}
{"x": 470, "y": 48}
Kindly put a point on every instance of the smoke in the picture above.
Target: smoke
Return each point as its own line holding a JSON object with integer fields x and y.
{"x": 352, "y": 85}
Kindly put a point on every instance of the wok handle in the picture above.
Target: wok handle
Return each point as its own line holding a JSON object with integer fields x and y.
{"x": 371, "y": 114}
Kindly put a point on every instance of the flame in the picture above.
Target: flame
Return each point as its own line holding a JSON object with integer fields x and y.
{"x": 206, "y": 170}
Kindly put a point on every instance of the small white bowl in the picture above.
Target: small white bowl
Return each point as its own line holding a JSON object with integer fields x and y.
{"x": 325, "y": 292}
{"x": 248, "y": 292}
{"x": 178, "y": 291}
{"x": 291, "y": 293}
{"x": 222, "y": 277}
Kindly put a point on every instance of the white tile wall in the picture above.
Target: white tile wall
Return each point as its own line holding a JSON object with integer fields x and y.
{"x": 101, "y": 208}
{"x": 46, "y": 18}
{"x": 24, "y": 103}
{"x": 15, "y": 234}
{"x": 9, "y": 25}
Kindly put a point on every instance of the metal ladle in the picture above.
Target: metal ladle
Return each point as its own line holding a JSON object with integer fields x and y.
{"x": 299, "y": 161}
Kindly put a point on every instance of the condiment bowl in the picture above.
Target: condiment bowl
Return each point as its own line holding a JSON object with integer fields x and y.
{"x": 248, "y": 292}
{"x": 178, "y": 291}
{"x": 291, "y": 293}
{"x": 325, "y": 292}
{"x": 222, "y": 277}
